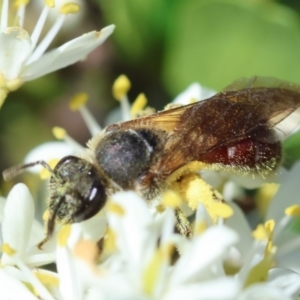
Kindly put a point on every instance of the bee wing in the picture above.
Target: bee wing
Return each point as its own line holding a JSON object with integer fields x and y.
{"x": 165, "y": 120}
{"x": 228, "y": 117}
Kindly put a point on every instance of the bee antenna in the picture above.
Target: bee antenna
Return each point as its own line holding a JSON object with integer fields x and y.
{"x": 12, "y": 172}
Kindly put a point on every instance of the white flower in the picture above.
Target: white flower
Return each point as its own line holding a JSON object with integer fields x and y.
{"x": 23, "y": 58}
{"x": 20, "y": 232}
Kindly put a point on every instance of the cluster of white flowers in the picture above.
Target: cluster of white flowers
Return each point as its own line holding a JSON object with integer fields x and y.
{"x": 131, "y": 252}
{"x": 128, "y": 251}
{"x": 23, "y": 57}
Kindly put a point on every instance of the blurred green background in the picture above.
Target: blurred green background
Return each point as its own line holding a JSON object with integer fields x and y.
{"x": 162, "y": 46}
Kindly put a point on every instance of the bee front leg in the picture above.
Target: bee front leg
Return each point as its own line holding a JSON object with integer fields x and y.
{"x": 182, "y": 225}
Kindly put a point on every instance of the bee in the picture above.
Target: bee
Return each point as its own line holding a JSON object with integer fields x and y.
{"x": 238, "y": 130}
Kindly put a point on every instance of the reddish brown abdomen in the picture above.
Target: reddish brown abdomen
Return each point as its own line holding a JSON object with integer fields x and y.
{"x": 260, "y": 151}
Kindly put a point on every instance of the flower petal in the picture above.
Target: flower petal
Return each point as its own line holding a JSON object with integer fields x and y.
{"x": 67, "y": 54}
{"x": 15, "y": 48}
{"x": 284, "y": 197}
{"x": 11, "y": 288}
{"x": 218, "y": 289}
{"x": 207, "y": 249}
{"x": 194, "y": 92}
{"x": 17, "y": 221}
{"x": 286, "y": 280}
{"x": 262, "y": 291}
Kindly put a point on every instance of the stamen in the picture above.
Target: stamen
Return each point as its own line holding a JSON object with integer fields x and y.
{"x": 61, "y": 134}
{"x": 50, "y": 3}
{"x": 45, "y": 174}
{"x": 7, "y": 249}
{"x": 116, "y": 209}
{"x": 293, "y": 211}
{"x": 77, "y": 103}
{"x": 47, "y": 279}
{"x": 222, "y": 210}
{"x": 21, "y": 6}
{"x": 138, "y": 105}
{"x": 4, "y": 14}
{"x": 41, "y": 48}
{"x": 120, "y": 89}
{"x": 63, "y": 235}
{"x": 39, "y": 26}
{"x": 260, "y": 233}
{"x": 69, "y": 8}
{"x": 171, "y": 199}
{"x": 200, "y": 227}
{"x": 34, "y": 281}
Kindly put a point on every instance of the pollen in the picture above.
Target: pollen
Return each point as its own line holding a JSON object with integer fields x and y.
{"x": 50, "y": 3}
{"x": 69, "y": 8}
{"x": 152, "y": 271}
{"x": 59, "y": 132}
{"x": 222, "y": 210}
{"x": 171, "y": 199}
{"x": 116, "y": 209}
{"x": 293, "y": 211}
{"x": 19, "y": 3}
{"x": 200, "y": 227}
{"x": 138, "y": 105}
{"x": 63, "y": 235}
{"x": 121, "y": 87}
{"x": 78, "y": 101}
{"x": 270, "y": 225}
{"x": 47, "y": 279}
{"x": 45, "y": 174}
{"x": 110, "y": 241}
{"x": 7, "y": 249}
{"x": 46, "y": 215}
{"x": 260, "y": 233}
{"x": 259, "y": 273}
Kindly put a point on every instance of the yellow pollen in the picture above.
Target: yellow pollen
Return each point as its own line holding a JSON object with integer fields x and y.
{"x": 138, "y": 105}
{"x": 47, "y": 279}
{"x": 222, "y": 210}
{"x": 69, "y": 8}
{"x": 260, "y": 233}
{"x": 59, "y": 132}
{"x": 293, "y": 211}
{"x": 259, "y": 273}
{"x": 7, "y": 249}
{"x": 121, "y": 87}
{"x": 152, "y": 271}
{"x": 46, "y": 215}
{"x": 269, "y": 225}
{"x": 160, "y": 208}
{"x": 264, "y": 195}
{"x": 200, "y": 227}
{"x": 63, "y": 235}
{"x": 116, "y": 209}
{"x": 45, "y": 174}
{"x": 78, "y": 100}
{"x": 50, "y": 3}
{"x": 19, "y": 3}
{"x": 171, "y": 199}
{"x": 110, "y": 241}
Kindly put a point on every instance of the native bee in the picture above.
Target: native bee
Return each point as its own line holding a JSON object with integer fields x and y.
{"x": 239, "y": 130}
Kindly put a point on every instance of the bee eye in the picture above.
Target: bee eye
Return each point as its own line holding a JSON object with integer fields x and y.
{"x": 91, "y": 204}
